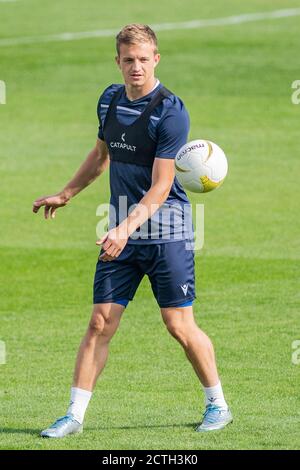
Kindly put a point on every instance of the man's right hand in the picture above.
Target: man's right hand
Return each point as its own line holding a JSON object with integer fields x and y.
{"x": 51, "y": 203}
{"x": 94, "y": 164}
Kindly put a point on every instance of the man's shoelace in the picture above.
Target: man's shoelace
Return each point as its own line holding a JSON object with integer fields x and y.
{"x": 211, "y": 414}
{"x": 60, "y": 421}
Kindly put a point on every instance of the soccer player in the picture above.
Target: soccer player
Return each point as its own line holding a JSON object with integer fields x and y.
{"x": 142, "y": 125}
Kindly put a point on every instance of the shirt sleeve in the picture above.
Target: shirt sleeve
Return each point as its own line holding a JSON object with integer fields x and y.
{"x": 100, "y": 128}
{"x": 172, "y": 130}
{"x": 103, "y": 104}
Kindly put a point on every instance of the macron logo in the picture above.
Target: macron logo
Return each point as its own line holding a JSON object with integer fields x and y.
{"x": 184, "y": 288}
{"x": 123, "y": 137}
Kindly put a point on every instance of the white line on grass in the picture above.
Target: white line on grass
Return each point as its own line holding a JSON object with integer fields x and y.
{"x": 195, "y": 24}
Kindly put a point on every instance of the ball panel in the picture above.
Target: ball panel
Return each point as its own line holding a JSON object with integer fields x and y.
{"x": 208, "y": 184}
{"x": 200, "y": 166}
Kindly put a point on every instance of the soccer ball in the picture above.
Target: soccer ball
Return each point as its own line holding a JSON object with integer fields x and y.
{"x": 201, "y": 166}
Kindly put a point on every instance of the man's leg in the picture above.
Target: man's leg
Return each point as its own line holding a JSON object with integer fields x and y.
{"x": 91, "y": 360}
{"x": 199, "y": 350}
{"x": 197, "y": 346}
{"x": 93, "y": 351}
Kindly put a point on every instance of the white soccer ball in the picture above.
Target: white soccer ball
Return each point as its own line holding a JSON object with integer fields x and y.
{"x": 201, "y": 166}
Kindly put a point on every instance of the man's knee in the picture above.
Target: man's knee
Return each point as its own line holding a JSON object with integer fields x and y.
{"x": 177, "y": 329}
{"x": 97, "y": 324}
{"x": 180, "y": 323}
{"x": 104, "y": 321}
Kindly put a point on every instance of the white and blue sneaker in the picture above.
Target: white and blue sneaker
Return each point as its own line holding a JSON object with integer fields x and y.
{"x": 214, "y": 418}
{"x": 62, "y": 427}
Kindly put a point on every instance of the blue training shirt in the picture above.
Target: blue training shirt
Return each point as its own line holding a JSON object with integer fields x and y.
{"x": 168, "y": 127}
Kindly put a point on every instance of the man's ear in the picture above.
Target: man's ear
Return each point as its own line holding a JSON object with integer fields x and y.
{"x": 157, "y": 59}
{"x": 117, "y": 59}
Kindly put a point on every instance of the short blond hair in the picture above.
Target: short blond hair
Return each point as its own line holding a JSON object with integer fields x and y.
{"x": 134, "y": 34}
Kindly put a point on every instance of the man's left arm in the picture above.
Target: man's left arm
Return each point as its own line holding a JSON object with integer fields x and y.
{"x": 163, "y": 174}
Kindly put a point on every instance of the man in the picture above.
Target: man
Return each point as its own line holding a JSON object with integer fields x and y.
{"x": 142, "y": 125}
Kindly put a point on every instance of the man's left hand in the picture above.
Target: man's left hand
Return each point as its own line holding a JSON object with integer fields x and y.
{"x": 113, "y": 242}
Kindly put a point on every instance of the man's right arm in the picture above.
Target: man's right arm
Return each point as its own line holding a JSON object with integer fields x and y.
{"x": 95, "y": 164}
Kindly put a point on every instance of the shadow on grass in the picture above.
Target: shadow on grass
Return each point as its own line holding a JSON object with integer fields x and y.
{"x": 19, "y": 431}
{"x": 101, "y": 428}
{"x": 148, "y": 426}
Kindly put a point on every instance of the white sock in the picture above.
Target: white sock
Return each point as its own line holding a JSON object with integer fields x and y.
{"x": 79, "y": 402}
{"x": 214, "y": 396}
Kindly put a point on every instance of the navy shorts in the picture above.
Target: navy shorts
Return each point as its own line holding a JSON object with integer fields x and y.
{"x": 169, "y": 266}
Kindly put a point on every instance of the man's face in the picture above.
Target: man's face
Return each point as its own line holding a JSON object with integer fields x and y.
{"x": 137, "y": 63}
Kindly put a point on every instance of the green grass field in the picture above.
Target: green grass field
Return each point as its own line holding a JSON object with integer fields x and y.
{"x": 236, "y": 83}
